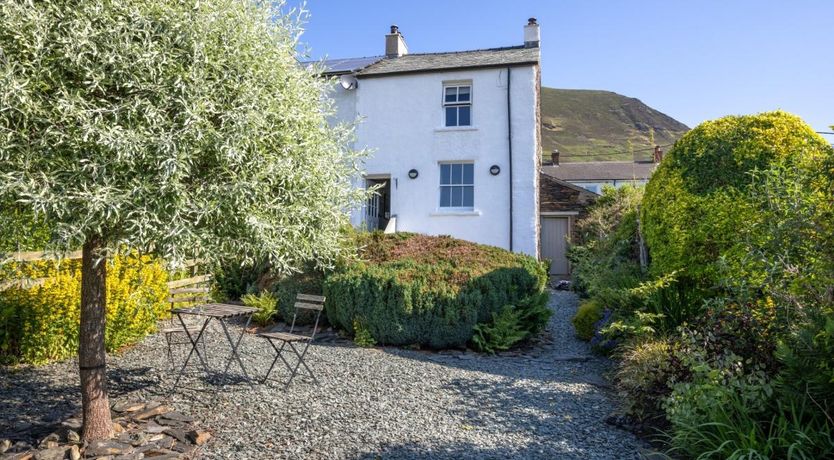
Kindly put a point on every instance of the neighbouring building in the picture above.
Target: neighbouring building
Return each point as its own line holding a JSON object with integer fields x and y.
{"x": 560, "y": 205}
{"x": 454, "y": 137}
{"x": 593, "y": 175}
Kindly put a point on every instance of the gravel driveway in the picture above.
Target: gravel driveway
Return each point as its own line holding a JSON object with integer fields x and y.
{"x": 547, "y": 402}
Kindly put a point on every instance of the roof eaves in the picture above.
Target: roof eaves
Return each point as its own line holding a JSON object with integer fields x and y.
{"x": 360, "y": 74}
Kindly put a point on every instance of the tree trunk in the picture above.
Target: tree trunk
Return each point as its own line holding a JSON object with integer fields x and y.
{"x": 91, "y": 353}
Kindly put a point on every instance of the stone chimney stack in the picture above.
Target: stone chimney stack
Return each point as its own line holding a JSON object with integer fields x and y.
{"x": 395, "y": 43}
{"x": 532, "y": 35}
{"x": 554, "y": 157}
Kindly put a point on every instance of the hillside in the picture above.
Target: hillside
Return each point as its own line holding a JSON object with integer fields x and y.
{"x": 588, "y": 125}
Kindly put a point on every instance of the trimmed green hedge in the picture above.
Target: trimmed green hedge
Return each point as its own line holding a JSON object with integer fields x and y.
{"x": 699, "y": 197}
{"x": 430, "y": 291}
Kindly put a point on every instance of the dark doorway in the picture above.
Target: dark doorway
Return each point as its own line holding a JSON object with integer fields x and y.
{"x": 378, "y": 206}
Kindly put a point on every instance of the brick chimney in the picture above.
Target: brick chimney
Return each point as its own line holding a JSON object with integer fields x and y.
{"x": 554, "y": 157}
{"x": 395, "y": 43}
{"x": 531, "y": 34}
{"x": 658, "y": 154}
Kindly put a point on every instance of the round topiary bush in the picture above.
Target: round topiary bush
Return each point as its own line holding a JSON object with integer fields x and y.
{"x": 699, "y": 197}
{"x": 428, "y": 290}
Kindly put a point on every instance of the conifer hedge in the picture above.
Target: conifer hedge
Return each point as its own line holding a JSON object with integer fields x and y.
{"x": 430, "y": 291}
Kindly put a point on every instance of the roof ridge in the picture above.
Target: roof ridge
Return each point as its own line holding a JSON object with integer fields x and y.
{"x": 600, "y": 161}
{"x": 381, "y": 57}
{"x": 325, "y": 59}
{"x": 501, "y": 48}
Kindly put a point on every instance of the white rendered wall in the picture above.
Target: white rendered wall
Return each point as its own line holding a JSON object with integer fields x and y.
{"x": 402, "y": 123}
{"x": 345, "y": 105}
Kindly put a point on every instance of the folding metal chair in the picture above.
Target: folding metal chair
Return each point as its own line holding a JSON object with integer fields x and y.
{"x": 303, "y": 302}
{"x": 194, "y": 290}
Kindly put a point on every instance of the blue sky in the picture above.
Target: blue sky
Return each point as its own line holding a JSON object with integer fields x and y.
{"x": 694, "y": 60}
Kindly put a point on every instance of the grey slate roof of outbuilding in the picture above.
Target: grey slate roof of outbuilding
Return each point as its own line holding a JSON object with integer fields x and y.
{"x": 432, "y": 62}
{"x": 601, "y": 170}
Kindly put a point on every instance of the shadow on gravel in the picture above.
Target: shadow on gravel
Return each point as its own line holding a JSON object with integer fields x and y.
{"x": 551, "y": 416}
{"x": 31, "y": 408}
{"x": 466, "y": 450}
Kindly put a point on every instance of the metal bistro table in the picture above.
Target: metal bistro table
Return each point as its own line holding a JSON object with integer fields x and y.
{"x": 221, "y": 312}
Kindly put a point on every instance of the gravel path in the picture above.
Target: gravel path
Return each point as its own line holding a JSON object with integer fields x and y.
{"x": 546, "y": 402}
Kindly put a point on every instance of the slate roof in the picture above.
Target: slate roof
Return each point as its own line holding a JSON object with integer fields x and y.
{"x": 601, "y": 170}
{"x": 428, "y": 62}
{"x": 556, "y": 195}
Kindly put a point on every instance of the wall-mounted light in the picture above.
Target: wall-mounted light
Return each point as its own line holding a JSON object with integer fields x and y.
{"x": 494, "y": 170}
{"x": 412, "y": 174}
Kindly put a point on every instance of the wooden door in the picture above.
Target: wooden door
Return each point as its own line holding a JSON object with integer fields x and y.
{"x": 554, "y": 234}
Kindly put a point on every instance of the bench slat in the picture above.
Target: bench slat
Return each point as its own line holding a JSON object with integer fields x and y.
{"x": 310, "y": 298}
{"x": 199, "y": 298}
{"x": 201, "y": 290}
{"x": 309, "y": 306}
{"x": 189, "y": 281}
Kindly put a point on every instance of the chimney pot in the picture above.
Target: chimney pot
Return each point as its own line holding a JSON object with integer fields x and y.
{"x": 532, "y": 36}
{"x": 394, "y": 29}
{"x": 554, "y": 157}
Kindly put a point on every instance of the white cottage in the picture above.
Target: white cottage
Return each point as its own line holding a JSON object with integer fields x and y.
{"x": 455, "y": 139}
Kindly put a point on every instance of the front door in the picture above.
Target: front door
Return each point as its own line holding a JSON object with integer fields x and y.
{"x": 554, "y": 234}
{"x": 378, "y": 207}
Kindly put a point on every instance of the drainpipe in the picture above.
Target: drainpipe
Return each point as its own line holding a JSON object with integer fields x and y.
{"x": 510, "y": 150}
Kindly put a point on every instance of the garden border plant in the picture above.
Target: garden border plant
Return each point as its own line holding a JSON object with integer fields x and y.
{"x": 727, "y": 340}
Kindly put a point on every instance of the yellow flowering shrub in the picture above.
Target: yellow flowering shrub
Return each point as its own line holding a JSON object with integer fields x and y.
{"x": 40, "y": 324}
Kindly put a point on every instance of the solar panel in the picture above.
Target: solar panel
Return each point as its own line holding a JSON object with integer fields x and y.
{"x": 347, "y": 65}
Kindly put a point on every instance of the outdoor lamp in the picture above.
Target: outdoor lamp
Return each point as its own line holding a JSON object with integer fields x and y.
{"x": 412, "y": 174}
{"x": 494, "y": 170}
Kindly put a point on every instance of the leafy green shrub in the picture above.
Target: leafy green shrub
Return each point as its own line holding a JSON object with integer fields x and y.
{"x": 361, "y": 335}
{"x": 606, "y": 256}
{"x": 501, "y": 333}
{"x": 636, "y": 327}
{"x": 806, "y": 373}
{"x": 533, "y": 312}
{"x": 234, "y": 279}
{"x": 586, "y": 318}
{"x": 513, "y": 324}
{"x": 286, "y": 288}
{"x": 432, "y": 291}
{"x": 699, "y": 198}
{"x": 21, "y": 230}
{"x": 40, "y": 324}
{"x": 718, "y": 389}
{"x": 267, "y": 305}
{"x": 642, "y": 378}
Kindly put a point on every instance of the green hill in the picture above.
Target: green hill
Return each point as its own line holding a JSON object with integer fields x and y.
{"x": 590, "y": 125}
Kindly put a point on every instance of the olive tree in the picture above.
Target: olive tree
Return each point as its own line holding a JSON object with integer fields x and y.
{"x": 179, "y": 128}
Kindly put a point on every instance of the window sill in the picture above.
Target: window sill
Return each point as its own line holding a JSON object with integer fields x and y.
{"x": 443, "y": 129}
{"x": 452, "y": 212}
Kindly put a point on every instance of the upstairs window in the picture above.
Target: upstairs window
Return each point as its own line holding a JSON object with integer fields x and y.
{"x": 457, "y": 105}
{"x": 457, "y": 186}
